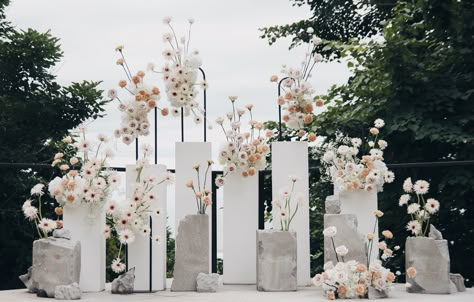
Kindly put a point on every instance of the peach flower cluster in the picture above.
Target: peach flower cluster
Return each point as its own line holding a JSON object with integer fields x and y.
{"x": 140, "y": 99}
{"x": 245, "y": 152}
{"x": 202, "y": 193}
{"x": 180, "y": 74}
{"x": 298, "y": 101}
{"x": 133, "y": 219}
{"x": 348, "y": 171}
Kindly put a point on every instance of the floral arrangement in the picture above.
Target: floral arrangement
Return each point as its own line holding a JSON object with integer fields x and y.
{"x": 284, "y": 203}
{"x": 298, "y": 100}
{"x": 382, "y": 246}
{"x": 86, "y": 179}
{"x": 349, "y": 172}
{"x": 350, "y": 279}
{"x": 245, "y": 152}
{"x": 141, "y": 99}
{"x": 180, "y": 73}
{"x": 43, "y": 225}
{"x": 421, "y": 209}
{"x": 202, "y": 194}
{"x": 131, "y": 221}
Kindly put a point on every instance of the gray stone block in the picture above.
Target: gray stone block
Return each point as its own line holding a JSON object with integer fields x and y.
{"x": 348, "y": 235}
{"x": 276, "y": 260}
{"x": 192, "y": 252}
{"x": 28, "y": 281}
{"x": 435, "y": 233}
{"x": 62, "y": 233}
{"x": 374, "y": 294}
{"x": 124, "y": 284}
{"x": 458, "y": 281}
{"x": 431, "y": 260}
{"x": 67, "y": 292}
{"x": 207, "y": 283}
{"x": 332, "y": 205}
{"x": 56, "y": 261}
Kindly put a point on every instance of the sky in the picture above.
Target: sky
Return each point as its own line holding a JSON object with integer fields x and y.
{"x": 236, "y": 61}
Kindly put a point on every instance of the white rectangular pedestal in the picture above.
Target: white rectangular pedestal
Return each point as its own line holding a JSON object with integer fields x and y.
{"x": 362, "y": 204}
{"x": 240, "y": 223}
{"x": 87, "y": 227}
{"x": 187, "y": 155}
{"x": 144, "y": 254}
{"x": 291, "y": 158}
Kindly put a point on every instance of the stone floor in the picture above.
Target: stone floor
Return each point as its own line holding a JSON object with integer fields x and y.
{"x": 238, "y": 293}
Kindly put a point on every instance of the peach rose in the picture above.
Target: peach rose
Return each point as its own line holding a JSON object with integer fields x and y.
{"x": 165, "y": 111}
{"x": 387, "y": 234}
{"x": 273, "y": 78}
{"x": 189, "y": 184}
{"x": 311, "y": 137}
{"x": 122, "y": 83}
{"x": 411, "y": 272}
{"x": 319, "y": 103}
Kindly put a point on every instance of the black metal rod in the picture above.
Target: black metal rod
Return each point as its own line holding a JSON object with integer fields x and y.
{"x": 279, "y": 109}
{"x": 205, "y": 105}
{"x": 182, "y": 124}
{"x": 214, "y": 222}
{"x": 261, "y": 203}
{"x": 151, "y": 256}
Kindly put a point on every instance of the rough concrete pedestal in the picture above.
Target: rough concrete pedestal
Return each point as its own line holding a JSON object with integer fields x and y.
{"x": 276, "y": 260}
{"x": 56, "y": 261}
{"x": 192, "y": 252}
{"x": 431, "y": 260}
{"x": 348, "y": 235}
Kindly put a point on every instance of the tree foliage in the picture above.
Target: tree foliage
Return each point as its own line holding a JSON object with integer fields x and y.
{"x": 34, "y": 112}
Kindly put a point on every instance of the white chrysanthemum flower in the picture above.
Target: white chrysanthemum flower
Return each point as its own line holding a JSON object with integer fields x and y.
{"x": 112, "y": 93}
{"x": 157, "y": 239}
{"x": 37, "y": 190}
{"x": 26, "y": 204}
{"x": 330, "y": 231}
{"x": 126, "y": 236}
{"x": 145, "y": 231}
{"x": 404, "y": 199}
{"x": 379, "y": 123}
{"x": 432, "y": 205}
{"x": 106, "y": 232}
{"x": 220, "y": 181}
{"x": 389, "y": 177}
{"x": 167, "y": 20}
{"x": 117, "y": 266}
{"x": 342, "y": 250}
{"x": 47, "y": 225}
{"x": 318, "y": 280}
{"x": 110, "y": 207}
{"x": 30, "y": 212}
{"x": 408, "y": 185}
{"x": 421, "y": 187}
{"x": 371, "y": 144}
{"x": 413, "y": 208}
{"x": 414, "y": 226}
{"x": 382, "y": 144}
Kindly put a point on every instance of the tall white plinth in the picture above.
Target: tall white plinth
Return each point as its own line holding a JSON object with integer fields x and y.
{"x": 291, "y": 158}
{"x": 187, "y": 155}
{"x": 240, "y": 223}
{"x": 87, "y": 225}
{"x": 144, "y": 254}
{"x": 362, "y": 204}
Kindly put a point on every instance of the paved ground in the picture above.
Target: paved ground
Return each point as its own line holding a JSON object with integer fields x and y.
{"x": 237, "y": 293}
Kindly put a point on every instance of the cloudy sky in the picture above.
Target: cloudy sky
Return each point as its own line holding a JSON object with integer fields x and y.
{"x": 235, "y": 59}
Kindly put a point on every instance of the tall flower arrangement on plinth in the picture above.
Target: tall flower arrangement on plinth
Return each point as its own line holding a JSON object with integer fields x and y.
{"x": 140, "y": 99}
{"x": 132, "y": 220}
{"x": 348, "y": 170}
{"x": 284, "y": 204}
{"x": 180, "y": 73}
{"x": 245, "y": 152}
{"x": 201, "y": 192}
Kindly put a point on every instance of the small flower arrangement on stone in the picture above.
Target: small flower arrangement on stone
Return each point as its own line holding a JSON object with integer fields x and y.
{"x": 140, "y": 100}
{"x": 287, "y": 196}
{"x": 419, "y": 208}
{"x": 350, "y": 279}
{"x": 86, "y": 179}
{"x": 202, "y": 194}
{"x": 133, "y": 220}
{"x": 298, "y": 100}
{"x": 244, "y": 152}
{"x": 384, "y": 245}
{"x": 43, "y": 224}
{"x": 347, "y": 171}
{"x": 180, "y": 73}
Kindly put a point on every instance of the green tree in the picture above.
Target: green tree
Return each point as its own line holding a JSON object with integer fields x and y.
{"x": 417, "y": 76}
{"x": 34, "y": 112}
